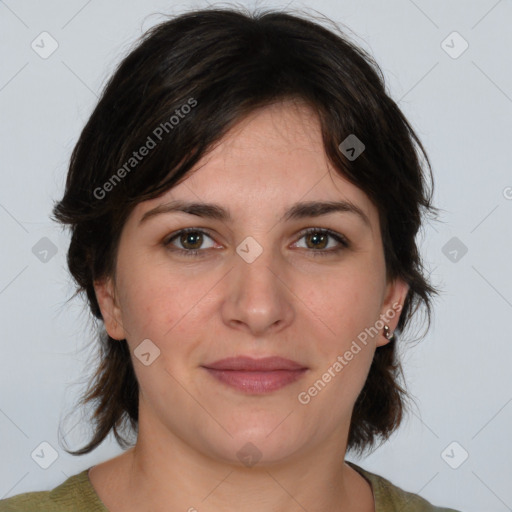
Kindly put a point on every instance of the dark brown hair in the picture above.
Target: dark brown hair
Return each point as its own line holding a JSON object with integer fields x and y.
{"x": 231, "y": 62}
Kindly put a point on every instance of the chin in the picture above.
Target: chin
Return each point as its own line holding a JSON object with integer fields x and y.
{"x": 259, "y": 446}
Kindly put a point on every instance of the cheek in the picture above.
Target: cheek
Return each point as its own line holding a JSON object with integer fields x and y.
{"x": 158, "y": 310}
{"x": 346, "y": 304}
{"x": 163, "y": 306}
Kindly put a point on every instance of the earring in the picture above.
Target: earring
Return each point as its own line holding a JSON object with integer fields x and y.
{"x": 388, "y": 334}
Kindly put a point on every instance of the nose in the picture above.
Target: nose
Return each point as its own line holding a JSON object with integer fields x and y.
{"x": 258, "y": 299}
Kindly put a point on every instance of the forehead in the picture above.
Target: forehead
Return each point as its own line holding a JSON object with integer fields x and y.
{"x": 269, "y": 160}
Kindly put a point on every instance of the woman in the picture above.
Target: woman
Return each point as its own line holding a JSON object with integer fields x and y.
{"x": 244, "y": 202}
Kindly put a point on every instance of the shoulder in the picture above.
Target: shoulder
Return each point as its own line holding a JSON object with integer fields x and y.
{"x": 27, "y": 502}
{"x": 389, "y": 497}
{"x": 75, "y": 494}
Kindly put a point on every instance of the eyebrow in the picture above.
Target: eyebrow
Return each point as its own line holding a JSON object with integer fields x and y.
{"x": 297, "y": 211}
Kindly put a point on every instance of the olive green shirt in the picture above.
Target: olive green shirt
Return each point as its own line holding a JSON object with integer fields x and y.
{"x": 76, "y": 494}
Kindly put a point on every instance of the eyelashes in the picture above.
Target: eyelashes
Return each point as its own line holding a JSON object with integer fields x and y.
{"x": 186, "y": 236}
{"x": 185, "y": 233}
{"x": 325, "y": 234}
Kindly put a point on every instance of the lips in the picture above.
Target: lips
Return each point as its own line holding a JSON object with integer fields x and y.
{"x": 248, "y": 364}
{"x": 256, "y": 376}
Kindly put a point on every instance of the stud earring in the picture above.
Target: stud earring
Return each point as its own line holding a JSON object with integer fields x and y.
{"x": 388, "y": 334}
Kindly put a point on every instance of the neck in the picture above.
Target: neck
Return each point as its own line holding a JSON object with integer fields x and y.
{"x": 162, "y": 473}
{"x": 173, "y": 480}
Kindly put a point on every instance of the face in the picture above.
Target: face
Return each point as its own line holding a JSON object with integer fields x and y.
{"x": 267, "y": 278}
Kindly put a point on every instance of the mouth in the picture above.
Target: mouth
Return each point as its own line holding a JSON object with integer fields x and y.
{"x": 256, "y": 376}
{"x": 247, "y": 364}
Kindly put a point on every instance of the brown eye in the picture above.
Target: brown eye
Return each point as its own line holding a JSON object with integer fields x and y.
{"x": 189, "y": 242}
{"x": 318, "y": 240}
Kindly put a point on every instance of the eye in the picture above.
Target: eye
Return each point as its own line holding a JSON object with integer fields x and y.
{"x": 317, "y": 240}
{"x": 191, "y": 240}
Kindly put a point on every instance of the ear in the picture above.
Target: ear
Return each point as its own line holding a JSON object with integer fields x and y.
{"x": 110, "y": 310}
{"x": 396, "y": 293}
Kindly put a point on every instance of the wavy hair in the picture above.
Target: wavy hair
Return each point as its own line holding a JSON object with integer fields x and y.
{"x": 232, "y": 62}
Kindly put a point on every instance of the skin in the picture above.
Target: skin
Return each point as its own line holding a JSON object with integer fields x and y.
{"x": 287, "y": 302}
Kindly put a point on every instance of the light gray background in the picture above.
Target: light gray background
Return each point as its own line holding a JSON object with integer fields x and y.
{"x": 462, "y": 110}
